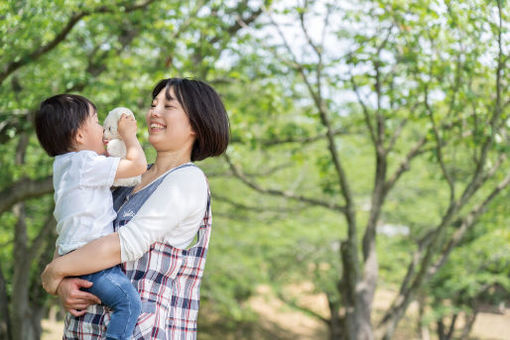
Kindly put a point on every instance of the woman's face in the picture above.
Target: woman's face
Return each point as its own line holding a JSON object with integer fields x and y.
{"x": 169, "y": 126}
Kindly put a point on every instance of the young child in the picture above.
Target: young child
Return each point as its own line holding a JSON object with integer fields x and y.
{"x": 68, "y": 129}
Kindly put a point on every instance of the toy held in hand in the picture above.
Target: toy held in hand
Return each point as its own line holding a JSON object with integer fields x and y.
{"x": 115, "y": 146}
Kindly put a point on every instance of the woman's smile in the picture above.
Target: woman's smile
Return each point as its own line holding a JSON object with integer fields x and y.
{"x": 156, "y": 127}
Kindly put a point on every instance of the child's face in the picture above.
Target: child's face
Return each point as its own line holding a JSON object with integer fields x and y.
{"x": 90, "y": 134}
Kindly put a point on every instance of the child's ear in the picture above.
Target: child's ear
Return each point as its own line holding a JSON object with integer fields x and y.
{"x": 79, "y": 137}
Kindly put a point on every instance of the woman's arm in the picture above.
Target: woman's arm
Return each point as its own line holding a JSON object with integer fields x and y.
{"x": 97, "y": 255}
{"x": 180, "y": 196}
{"x": 172, "y": 212}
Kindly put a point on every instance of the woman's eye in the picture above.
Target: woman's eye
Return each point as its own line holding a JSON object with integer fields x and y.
{"x": 169, "y": 107}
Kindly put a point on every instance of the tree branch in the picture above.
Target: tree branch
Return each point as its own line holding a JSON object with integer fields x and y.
{"x": 405, "y": 164}
{"x": 439, "y": 147}
{"x": 24, "y": 189}
{"x": 237, "y": 173}
{"x": 61, "y": 36}
{"x": 348, "y": 210}
{"x": 258, "y": 209}
{"x": 398, "y": 131}
{"x": 239, "y": 24}
{"x": 48, "y": 228}
{"x": 292, "y": 303}
{"x": 477, "y": 179}
{"x": 364, "y": 108}
{"x": 467, "y": 223}
{"x": 303, "y": 140}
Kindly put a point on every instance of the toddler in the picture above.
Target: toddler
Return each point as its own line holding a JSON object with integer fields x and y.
{"x": 68, "y": 129}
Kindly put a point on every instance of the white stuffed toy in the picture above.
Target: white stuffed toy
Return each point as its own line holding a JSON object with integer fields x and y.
{"x": 116, "y": 146}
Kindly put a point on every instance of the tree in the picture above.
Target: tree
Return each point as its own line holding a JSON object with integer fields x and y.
{"x": 475, "y": 279}
{"x": 346, "y": 118}
{"x": 112, "y": 53}
{"x": 421, "y": 83}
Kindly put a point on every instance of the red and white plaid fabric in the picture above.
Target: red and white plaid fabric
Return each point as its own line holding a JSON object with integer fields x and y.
{"x": 168, "y": 280}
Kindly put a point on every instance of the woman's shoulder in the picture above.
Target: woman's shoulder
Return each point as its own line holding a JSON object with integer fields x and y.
{"x": 184, "y": 187}
{"x": 186, "y": 176}
{"x": 187, "y": 170}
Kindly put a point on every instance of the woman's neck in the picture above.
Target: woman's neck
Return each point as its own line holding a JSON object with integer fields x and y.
{"x": 169, "y": 160}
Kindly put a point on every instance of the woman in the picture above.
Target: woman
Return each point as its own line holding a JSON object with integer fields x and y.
{"x": 156, "y": 223}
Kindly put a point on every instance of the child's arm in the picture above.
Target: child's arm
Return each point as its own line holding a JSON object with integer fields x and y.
{"x": 135, "y": 163}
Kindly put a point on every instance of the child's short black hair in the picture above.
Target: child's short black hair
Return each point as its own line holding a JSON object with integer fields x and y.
{"x": 206, "y": 113}
{"x": 58, "y": 119}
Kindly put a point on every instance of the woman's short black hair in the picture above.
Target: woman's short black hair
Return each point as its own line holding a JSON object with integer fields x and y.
{"x": 58, "y": 119}
{"x": 206, "y": 113}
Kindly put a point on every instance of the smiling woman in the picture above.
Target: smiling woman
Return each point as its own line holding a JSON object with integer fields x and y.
{"x": 156, "y": 223}
{"x": 169, "y": 126}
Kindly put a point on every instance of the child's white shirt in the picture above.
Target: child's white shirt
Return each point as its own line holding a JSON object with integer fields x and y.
{"x": 83, "y": 200}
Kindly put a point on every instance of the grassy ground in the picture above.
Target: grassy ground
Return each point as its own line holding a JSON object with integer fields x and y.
{"x": 277, "y": 321}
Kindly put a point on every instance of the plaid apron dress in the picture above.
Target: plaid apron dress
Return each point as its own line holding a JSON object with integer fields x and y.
{"x": 168, "y": 280}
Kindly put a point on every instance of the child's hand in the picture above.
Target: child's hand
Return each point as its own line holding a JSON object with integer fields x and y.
{"x": 126, "y": 127}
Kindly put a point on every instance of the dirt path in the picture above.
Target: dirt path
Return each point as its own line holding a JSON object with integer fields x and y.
{"x": 278, "y": 321}
{"x": 488, "y": 326}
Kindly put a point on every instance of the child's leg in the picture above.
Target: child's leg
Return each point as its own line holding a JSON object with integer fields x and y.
{"x": 116, "y": 291}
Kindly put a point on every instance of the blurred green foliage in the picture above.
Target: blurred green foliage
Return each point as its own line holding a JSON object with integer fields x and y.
{"x": 116, "y": 52}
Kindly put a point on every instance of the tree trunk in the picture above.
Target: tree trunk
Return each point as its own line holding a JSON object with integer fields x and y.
{"x": 22, "y": 327}
{"x": 357, "y": 321}
{"x": 5, "y": 323}
{"x": 25, "y": 315}
{"x": 365, "y": 331}
{"x": 452, "y": 327}
{"x": 440, "y": 329}
{"x": 22, "y": 311}
{"x": 442, "y": 333}
{"x": 468, "y": 324}
{"x": 422, "y": 328}
{"x": 38, "y": 296}
{"x": 335, "y": 323}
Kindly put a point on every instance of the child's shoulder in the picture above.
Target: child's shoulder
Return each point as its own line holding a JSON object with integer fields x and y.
{"x": 78, "y": 160}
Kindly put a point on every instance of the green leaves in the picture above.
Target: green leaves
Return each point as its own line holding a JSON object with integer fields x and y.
{"x": 390, "y": 71}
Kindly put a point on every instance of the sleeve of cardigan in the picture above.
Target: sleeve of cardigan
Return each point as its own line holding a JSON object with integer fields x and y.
{"x": 179, "y": 200}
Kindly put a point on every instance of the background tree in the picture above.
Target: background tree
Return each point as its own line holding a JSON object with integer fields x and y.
{"x": 412, "y": 85}
{"x": 474, "y": 280}
{"x": 111, "y": 52}
{"x": 368, "y": 140}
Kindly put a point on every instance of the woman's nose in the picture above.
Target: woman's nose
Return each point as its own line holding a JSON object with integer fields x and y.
{"x": 154, "y": 112}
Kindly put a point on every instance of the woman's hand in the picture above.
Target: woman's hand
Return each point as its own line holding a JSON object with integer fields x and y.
{"x": 74, "y": 300}
{"x": 50, "y": 279}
